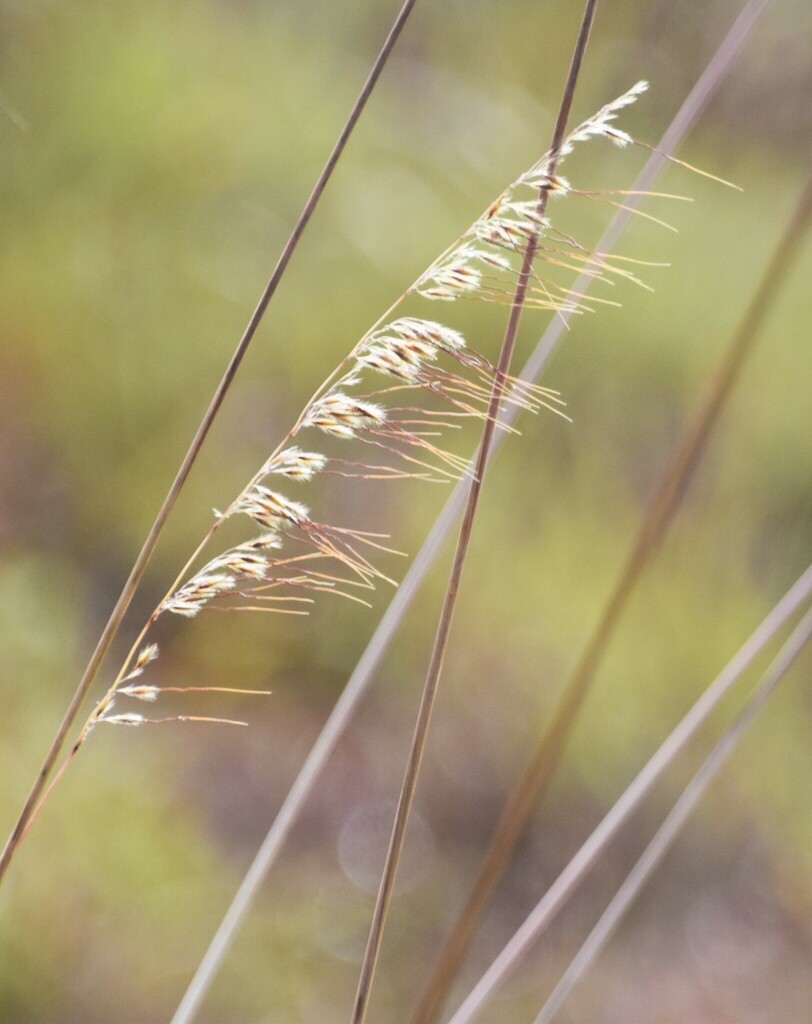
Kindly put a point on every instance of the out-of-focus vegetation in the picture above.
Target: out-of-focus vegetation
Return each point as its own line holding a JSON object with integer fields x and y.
{"x": 154, "y": 158}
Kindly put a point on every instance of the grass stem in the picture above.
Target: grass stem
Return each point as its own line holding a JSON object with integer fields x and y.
{"x": 434, "y": 671}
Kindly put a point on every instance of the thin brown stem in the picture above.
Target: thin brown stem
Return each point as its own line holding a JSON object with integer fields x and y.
{"x": 538, "y": 773}
{"x": 406, "y": 799}
{"x": 122, "y": 604}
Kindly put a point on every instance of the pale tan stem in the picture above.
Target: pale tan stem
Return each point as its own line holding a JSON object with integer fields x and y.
{"x": 434, "y": 671}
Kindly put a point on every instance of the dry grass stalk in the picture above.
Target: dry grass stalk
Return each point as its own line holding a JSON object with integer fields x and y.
{"x": 541, "y": 767}
{"x": 111, "y": 629}
{"x": 498, "y": 231}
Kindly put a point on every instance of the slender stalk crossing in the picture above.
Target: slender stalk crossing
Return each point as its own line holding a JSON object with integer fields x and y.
{"x": 406, "y": 799}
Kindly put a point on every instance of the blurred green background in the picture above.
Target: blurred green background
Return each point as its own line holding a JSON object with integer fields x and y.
{"x": 154, "y": 157}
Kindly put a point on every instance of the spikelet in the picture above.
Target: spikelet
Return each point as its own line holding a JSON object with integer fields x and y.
{"x": 145, "y": 657}
{"x": 295, "y": 464}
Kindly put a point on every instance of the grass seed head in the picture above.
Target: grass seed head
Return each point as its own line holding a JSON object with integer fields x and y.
{"x": 408, "y": 349}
